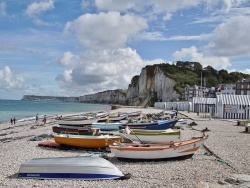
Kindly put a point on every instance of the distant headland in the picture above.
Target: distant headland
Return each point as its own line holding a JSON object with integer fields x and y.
{"x": 49, "y": 98}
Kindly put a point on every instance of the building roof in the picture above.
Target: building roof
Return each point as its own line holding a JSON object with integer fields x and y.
{"x": 234, "y": 99}
{"x": 202, "y": 100}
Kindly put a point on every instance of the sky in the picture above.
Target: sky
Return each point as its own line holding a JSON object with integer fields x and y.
{"x": 80, "y": 47}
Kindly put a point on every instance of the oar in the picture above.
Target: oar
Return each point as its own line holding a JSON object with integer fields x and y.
{"x": 134, "y": 134}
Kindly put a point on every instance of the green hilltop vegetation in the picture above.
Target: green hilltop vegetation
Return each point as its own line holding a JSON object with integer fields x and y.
{"x": 189, "y": 73}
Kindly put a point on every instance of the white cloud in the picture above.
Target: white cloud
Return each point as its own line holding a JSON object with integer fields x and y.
{"x": 159, "y": 36}
{"x": 36, "y": 8}
{"x": 246, "y": 71}
{"x": 103, "y": 70}
{"x": 41, "y": 22}
{"x": 157, "y": 5}
{"x": 167, "y": 16}
{"x": 8, "y": 81}
{"x": 117, "y": 5}
{"x": 231, "y": 38}
{"x": 233, "y": 3}
{"x": 69, "y": 60}
{"x": 153, "y": 8}
{"x": 106, "y": 30}
{"x": 192, "y": 54}
{"x": 3, "y": 9}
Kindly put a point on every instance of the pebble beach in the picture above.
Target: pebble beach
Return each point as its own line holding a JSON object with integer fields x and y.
{"x": 228, "y": 144}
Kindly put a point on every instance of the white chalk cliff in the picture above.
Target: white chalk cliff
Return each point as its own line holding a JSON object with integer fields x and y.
{"x": 150, "y": 86}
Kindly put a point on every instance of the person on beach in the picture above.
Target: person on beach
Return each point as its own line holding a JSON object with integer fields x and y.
{"x": 14, "y": 120}
{"x": 44, "y": 119}
{"x": 36, "y": 119}
{"x": 11, "y": 121}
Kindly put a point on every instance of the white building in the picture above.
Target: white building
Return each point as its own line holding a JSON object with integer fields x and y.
{"x": 194, "y": 91}
{"x": 233, "y": 106}
{"x": 226, "y": 89}
{"x": 224, "y": 106}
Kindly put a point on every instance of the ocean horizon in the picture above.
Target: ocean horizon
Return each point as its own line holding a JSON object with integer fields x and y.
{"x": 21, "y": 109}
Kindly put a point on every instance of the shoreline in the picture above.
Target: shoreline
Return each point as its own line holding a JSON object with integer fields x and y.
{"x": 224, "y": 140}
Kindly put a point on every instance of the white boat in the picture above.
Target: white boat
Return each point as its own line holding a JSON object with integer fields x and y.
{"x": 101, "y": 114}
{"x": 181, "y": 123}
{"x": 152, "y": 136}
{"x": 80, "y": 167}
{"x": 76, "y": 122}
{"x": 107, "y": 126}
{"x": 157, "y": 151}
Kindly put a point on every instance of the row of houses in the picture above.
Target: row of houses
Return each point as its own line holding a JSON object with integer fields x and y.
{"x": 240, "y": 88}
{"x": 224, "y": 106}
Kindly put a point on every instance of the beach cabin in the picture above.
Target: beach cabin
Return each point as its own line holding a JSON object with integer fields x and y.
{"x": 233, "y": 106}
{"x": 181, "y": 106}
{"x": 204, "y": 105}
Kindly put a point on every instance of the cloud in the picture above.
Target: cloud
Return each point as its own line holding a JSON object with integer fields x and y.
{"x": 156, "y": 5}
{"x": 36, "y": 8}
{"x": 10, "y": 82}
{"x": 3, "y": 9}
{"x": 163, "y": 5}
{"x": 231, "y": 38}
{"x": 115, "y": 5}
{"x": 69, "y": 60}
{"x": 159, "y": 36}
{"x": 106, "y": 30}
{"x": 246, "y": 71}
{"x": 192, "y": 54}
{"x": 151, "y": 9}
{"x": 103, "y": 70}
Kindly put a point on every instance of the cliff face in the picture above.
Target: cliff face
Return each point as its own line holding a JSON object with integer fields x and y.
{"x": 110, "y": 96}
{"x": 150, "y": 86}
{"x": 49, "y": 98}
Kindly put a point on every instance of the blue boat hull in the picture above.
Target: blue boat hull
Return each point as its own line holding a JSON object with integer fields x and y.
{"x": 67, "y": 176}
{"x": 80, "y": 167}
{"x": 162, "y": 125}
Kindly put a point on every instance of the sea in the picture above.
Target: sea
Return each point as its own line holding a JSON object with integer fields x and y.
{"x": 23, "y": 110}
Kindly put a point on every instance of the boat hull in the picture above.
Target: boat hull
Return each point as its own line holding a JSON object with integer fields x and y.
{"x": 75, "y": 122}
{"x": 85, "y": 141}
{"x": 157, "y": 151}
{"x": 107, "y": 126}
{"x": 75, "y": 130}
{"x": 146, "y": 136}
{"x": 82, "y": 167}
{"x": 151, "y": 126}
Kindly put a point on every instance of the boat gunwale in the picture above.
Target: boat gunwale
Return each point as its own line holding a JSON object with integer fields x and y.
{"x": 157, "y": 146}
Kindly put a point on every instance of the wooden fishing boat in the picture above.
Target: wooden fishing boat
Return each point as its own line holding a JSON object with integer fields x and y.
{"x": 112, "y": 118}
{"x": 157, "y": 151}
{"x": 181, "y": 123}
{"x": 75, "y": 130}
{"x": 101, "y": 114}
{"x": 131, "y": 114}
{"x": 162, "y": 125}
{"x": 86, "y": 141}
{"x": 76, "y": 122}
{"x": 152, "y": 136}
{"x": 107, "y": 126}
{"x": 80, "y": 167}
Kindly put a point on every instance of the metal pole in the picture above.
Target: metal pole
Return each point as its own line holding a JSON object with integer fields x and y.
{"x": 206, "y": 107}
{"x": 201, "y": 79}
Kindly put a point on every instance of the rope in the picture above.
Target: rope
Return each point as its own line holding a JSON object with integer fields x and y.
{"x": 219, "y": 158}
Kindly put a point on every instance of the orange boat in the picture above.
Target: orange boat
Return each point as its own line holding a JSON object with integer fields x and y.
{"x": 86, "y": 141}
